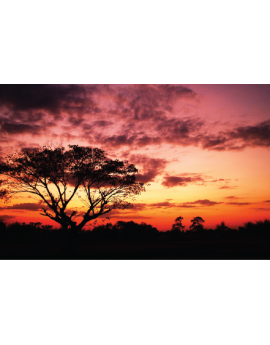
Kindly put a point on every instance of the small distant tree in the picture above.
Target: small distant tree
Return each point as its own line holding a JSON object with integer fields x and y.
{"x": 196, "y": 224}
{"x": 221, "y": 227}
{"x": 57, "y": 175}
{"x": 178, "y": 226}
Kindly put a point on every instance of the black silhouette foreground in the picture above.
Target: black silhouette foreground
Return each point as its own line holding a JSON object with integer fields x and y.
{"x": 57, "y": 176}
{"x": 129, "y": 240}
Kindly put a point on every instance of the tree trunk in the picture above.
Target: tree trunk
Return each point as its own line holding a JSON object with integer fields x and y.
{"x": 70, "y": 237}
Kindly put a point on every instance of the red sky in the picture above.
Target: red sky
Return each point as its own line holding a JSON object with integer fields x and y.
{"x": 204, "y": 149}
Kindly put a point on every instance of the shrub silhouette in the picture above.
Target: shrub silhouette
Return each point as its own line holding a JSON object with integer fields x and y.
{"x": 259, "y": 228}
{"x": 105, "y": 231}
{"x": 222, "y": 227}
{"x": 132, "y": 231}
{"x": 21, "y": 233}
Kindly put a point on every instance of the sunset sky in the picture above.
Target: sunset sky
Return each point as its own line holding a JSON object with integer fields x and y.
{"x": 203, "y": 149}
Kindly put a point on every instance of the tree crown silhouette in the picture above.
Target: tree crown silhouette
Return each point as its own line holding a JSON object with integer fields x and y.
{"x": 196, "y": 224}
{"x": 57, "y": 175}
{"x": 178, "y": 226}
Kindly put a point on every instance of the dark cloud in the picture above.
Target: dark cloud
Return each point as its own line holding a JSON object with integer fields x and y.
{"x": 182, "y": 132}
{"x": 258, "y": 135}
{"x": 29, "y": 206}
{"x": 131, "y": 213}
{"x": 187, "y": 131}
{"x": 20, "y": 128}
{"x": 162, "y": 204}
{"x": 136, "y": 207}
{"x": 239, "y": 138}
{"x": 172, "y": 181}
{"x": 143, "y": 115}
{"x": 190, "y": 132}
{"x": 228, "y": 187}
{"x": 147, "y": 140}
{"x": 75, "y": 122}
{"x": 232, "y": 197}
{"x": 117, "y": 140}
{"x": 147, "y": 177}
{"x": 141, "y": 102}
{"x": 204, "y": 202}
{"x": 187, "y": 206}
{"x": 28, "y": 116}
{"x": 150, "y": 167}
{"x": 30, "y": 108}
{"x": 238, "y": 203}
{"x": 102, "y": 123}
{"x": 139, "y": 206}
{"x": 52, "y": 98}
{"x": 135, "y": 140}
{"x": 123, "y": 216}
{"x": 261, "y": 209}
{"x": 189, "y": 178}
{"x": 267, "y": 201}
{"x": 136, "y": 101}
{"x": 166, "y": 204}
{"x": 5, "y": 218}
{"x": 213, "y": 143}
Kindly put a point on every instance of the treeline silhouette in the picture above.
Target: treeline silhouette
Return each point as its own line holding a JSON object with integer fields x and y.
{"x": 130, "y": 240}
{"x": 21, "y": 232}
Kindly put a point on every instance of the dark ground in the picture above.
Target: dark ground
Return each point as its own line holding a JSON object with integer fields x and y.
{"x": 192, "y": 246}
{"x": 33, "y": 243}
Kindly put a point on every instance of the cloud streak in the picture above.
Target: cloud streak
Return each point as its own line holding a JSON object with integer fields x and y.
{"x": 173, "y": 181}
{"x": 29, "y": 206}
{"x": 238, "y": 203}
{"x": 185, "y": 179}
{"x": 204, "y": 202}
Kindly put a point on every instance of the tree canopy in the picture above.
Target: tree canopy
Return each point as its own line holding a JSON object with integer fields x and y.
{"x": 178, "y": 226}
{"x": 196, "y": 224}
{"x": 57, "y": 175}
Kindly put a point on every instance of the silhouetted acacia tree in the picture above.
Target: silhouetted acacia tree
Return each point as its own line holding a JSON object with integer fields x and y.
{"x": 57, "y": 175}
{"x": 197, "y": 224}
{"x": 178, "y": 226}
